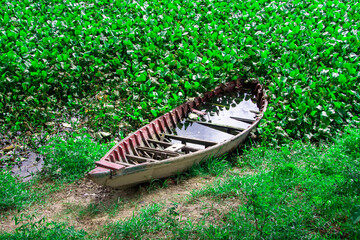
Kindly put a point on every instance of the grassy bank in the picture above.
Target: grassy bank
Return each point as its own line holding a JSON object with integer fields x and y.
{"x": 67, "y": 158}
{"x": 298, "y": 191}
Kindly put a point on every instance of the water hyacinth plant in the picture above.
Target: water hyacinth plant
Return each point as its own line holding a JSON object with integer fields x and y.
{"x": 116, "y": 61}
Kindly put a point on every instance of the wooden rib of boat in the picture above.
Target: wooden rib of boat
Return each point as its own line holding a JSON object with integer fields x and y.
{"x": 157, "y": 150}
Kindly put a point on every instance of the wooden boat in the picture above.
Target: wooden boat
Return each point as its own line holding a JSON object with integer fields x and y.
{"x": 162, "y": 148}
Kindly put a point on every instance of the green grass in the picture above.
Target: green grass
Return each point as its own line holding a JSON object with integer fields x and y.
{"x": 117, "y": 65}
{"x": 69, "y": 157}
{"x": 13, "y": 193}
{"x": 296, "y": 191}
{"x": 213, "y": 166}
{"x": 147, "y": 221}
{"x": 299, "y": 191}
{"x": 44, "y": 230}
{"x": 23, "y": 193}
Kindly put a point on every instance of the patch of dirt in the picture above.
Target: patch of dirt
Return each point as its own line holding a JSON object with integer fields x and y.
{"x": 207, "y": 209}
{"x": 88, "y": 206}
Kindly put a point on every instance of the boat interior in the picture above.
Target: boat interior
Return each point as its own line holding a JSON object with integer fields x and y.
{"x": 191, "y": 129}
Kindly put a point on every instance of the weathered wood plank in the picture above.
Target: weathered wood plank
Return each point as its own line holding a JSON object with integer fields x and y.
{"x": 109, "y": 165}
{"x": 141, "y": 159}
{"x": 245, "y": 120}
{"x": 167, "y": 144}
{"x": 125, "y": 164}
{"x": 175, "y": 147}
{"x": 198, "y": 112}
{"x": 191, "y": 140}
{"x": 217, "y": 125}
{"x": 157, "y": 151}
{"x": 161, "y": 143}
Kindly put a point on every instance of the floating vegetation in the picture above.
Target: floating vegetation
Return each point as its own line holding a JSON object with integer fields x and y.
{"x": 130, "y": 61}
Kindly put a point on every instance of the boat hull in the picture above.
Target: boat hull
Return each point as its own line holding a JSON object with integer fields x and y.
{"x": 124, "y": 177}
{"x": 147, "y": 172}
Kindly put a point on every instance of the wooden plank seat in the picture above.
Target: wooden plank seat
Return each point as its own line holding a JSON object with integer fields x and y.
{"x": 140, "y": 159}
{"x": 157, "y": 151}
{"x": 198, "y": 112}
{"x": 175, "y": 147}
{"x": 167, "y": 144}
{"x": 191, "y": 140}
{"x": 216, "y": 126}
{"x": 246, "y": 120}
{"x": 254, "y": 111}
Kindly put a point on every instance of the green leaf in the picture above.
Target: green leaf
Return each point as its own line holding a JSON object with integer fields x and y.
{"x": 342, "y": 78}
{"x": 6, "y": 18}
{"x": 143, "y": 87}
{"x": 34, "y": 74}
{"x": 31, "y": 90}
{"x": 264, "y": 54}
{"x": 187, "y": 85}
{"x": 24, "y": 85}
{"x": 154, "y": 112}
{"x": 24, "y": 49}
{"x": 35, "y": 63}
{"x": 176, "y": 97}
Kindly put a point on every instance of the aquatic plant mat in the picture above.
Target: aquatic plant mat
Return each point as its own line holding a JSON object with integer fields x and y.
{"x": 297, "y": 191}
{"x": 113, "y": 66}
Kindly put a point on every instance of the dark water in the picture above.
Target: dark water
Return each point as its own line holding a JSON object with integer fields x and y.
{"x": 29, "y": 167}
{"x": 219, "y": 111}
